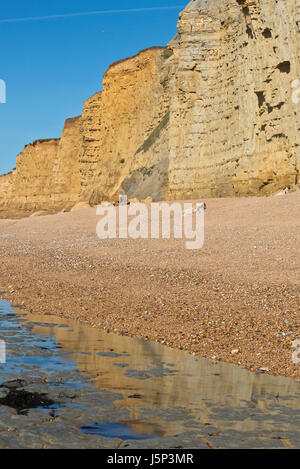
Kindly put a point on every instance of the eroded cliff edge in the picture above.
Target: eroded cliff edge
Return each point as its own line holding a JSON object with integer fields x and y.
{"x": 212, "y": 114}
{"x": 46, "y": 176}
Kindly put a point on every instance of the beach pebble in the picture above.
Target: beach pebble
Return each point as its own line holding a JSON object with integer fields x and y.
{"x": 3, "y": 393}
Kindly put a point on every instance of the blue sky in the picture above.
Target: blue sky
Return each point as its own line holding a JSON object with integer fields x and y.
{"x": 51, "y": 66}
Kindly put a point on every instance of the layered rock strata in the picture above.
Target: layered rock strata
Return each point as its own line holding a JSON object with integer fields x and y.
{"x": 234, "y": 128}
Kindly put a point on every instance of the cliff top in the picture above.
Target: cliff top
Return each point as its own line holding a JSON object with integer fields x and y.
{"x": 198, "y": 4}
{"x": 118, "y": 62}
{"x": 41, "y": 140}
{"x": 7, "y": 174}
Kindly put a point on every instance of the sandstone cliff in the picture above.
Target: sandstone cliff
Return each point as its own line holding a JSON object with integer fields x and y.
{"x": 47, "y": 174}
{"x": 234, "y": 129}
{"x": 117, "y": 122}
{"x": 210, "y": 115}
{"x": 6, "y": 190}
{"x": 33, "y": 176}
{"x": 66, "y": 172}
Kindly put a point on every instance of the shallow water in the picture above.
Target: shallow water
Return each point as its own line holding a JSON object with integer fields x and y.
{"x": 109, "y": 389}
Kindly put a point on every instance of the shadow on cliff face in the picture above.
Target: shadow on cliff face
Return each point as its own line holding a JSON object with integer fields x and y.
{"x": 150, "y": 181}
{"x": 147, "y": 182}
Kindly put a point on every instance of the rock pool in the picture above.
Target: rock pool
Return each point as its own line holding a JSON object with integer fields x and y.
{"x": 67, "y": 385}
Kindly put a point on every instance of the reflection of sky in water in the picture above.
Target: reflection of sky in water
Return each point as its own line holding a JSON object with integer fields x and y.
{"x": 115, "y": 430}
{"x": 22, "y": 338}
{"x": 45, "y": 364}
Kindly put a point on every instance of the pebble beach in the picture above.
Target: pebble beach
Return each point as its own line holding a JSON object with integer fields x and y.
{"x": 235, "y": 300}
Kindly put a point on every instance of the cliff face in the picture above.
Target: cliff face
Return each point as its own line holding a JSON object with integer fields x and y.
{"x": 234, "y": 129}
{"x": 66, "y": 171}
{"x": 211, "y": 115}
{"x": 47, "y": 174}
{"x": 32, "y": 185}
{"x": 6, "y": 190}
{"x": 117, "y": 122}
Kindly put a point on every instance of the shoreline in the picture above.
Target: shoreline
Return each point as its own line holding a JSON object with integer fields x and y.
{"x": 93, "y": 389}
{"x": 236, "y": 300}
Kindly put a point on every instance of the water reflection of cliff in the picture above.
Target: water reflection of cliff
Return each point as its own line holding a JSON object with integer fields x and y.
{"x": 150, "y": 375}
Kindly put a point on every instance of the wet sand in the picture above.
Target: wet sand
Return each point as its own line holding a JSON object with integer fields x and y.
{"x": 236, "y": 300}
{"x": 67, "y": 385}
